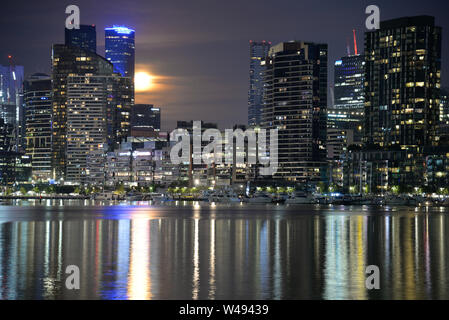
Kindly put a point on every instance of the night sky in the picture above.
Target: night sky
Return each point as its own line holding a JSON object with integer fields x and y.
{"x": 199, "y": 50}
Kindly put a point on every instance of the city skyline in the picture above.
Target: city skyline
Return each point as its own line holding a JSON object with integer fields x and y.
{"x": 209, "y": 150}
{"x": 218, "y": 55}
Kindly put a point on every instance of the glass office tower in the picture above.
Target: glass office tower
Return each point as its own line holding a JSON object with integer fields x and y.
{"x": 11, "y": 102}
{"x": 347, "y": 112}
{"x": 38, "y": 106}
{"x": 119, "y": 48}
{"x": 258, "y": 51}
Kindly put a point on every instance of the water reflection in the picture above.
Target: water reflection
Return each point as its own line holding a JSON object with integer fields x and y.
{"x": 139, "y": 284}
{"x": 220, "y": 252}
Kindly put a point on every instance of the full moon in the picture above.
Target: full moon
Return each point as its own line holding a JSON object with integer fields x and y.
{"x": 143, "y": 81}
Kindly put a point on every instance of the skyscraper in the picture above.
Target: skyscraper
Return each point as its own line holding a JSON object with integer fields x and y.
{"x": 69, "y": 60}
{"x": 295, "y": 103}
{"x": 119, "y": 47}
{"x": 402, "y": 91}
{"x": 347, "y": 112}
{"x": 119, "y": 105}
{"x": 38, "y": 106}
{"x": 11, "y": 101}
{"x": 258, "y": 51}
{"x": 85, "y": 37}
{"x": 402, "y": 97}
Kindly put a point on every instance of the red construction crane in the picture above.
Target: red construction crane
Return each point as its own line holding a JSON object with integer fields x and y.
{"x": 355, "y": 42}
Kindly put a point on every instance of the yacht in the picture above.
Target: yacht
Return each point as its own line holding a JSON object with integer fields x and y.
{"x": 445, "y": 202}
{"x": 340, "y": 199}
{"x": 260, "y": 198}
{"x": 110, "y": 196}
{"x": 135, "y": 197}
{"x": 396, "y": 201}
{"x": 224, "y": 197}
{"x": 300, "y": 198}
{"x": 160, "y": 197}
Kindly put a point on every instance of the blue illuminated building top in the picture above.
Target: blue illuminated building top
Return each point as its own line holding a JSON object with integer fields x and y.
{"x": 120, "y": 29}
{"x": 119, "y": 49}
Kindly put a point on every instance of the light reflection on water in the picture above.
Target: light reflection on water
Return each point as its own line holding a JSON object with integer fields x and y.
{"x": 201, "y": 251}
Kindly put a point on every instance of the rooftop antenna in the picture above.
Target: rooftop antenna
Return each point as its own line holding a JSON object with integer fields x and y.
{"x": 355, "y": 42}
{"x": 348, "y": 50}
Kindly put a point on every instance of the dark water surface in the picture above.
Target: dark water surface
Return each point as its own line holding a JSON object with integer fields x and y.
{"x": 202, "y": 251}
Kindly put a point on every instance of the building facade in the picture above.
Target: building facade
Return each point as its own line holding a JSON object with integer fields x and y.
{"x": 402, "y": 85}
{"x": 138, "y": 161}
{"x": 145, "y": 119}
{"x": 379, "y": 170}
{"x": 436, "y": 173}
{"x": 69, "y": 60}
{"x": 295, "y": 103}
{"x": 258, "y": 51}
{"x": 86, "y": 122}
{"x": 402, "y": 97}
{"x": 38, "y": 106}
{"x": 444, "y": 106}
{"x": 120, "y": 103}
{"x": 85, "y": 37}
{"x": 347, "y": 111}
{"x": 443, "y": 129}
{"x": 11, "y": 101}
{"x": 6, "y": 136}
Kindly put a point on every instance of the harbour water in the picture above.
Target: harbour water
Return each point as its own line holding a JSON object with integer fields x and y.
{"x": 205, "y": 251}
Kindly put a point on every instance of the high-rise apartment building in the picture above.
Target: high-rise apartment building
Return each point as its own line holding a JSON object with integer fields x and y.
{"x": 83, "y": 66}
{"x": 119, "y": 107}
{"x": 295, "y": 103}
{"x": 402, "y": 85}
{"x": 38, "y": 106}
{"x": 68, "y": 61}
{"x": 85, "y": 37}
{"x": 258, "y": 51}
{"x": 119, "y": 49}
{"x": 86, "y": 122}
{"x": 402, "y": 103}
